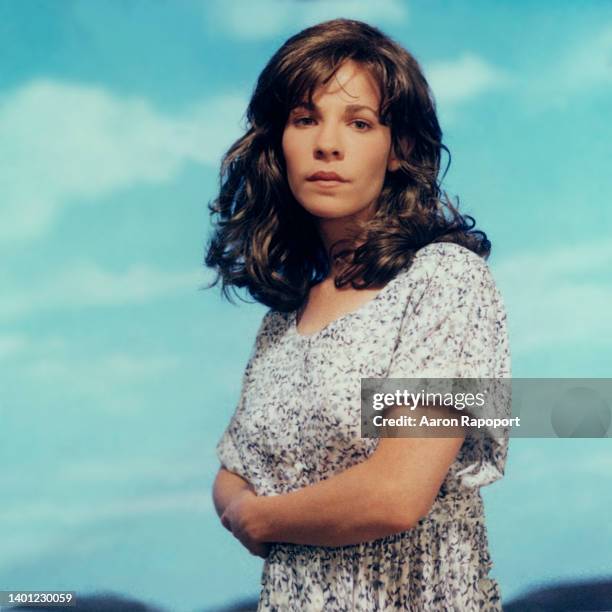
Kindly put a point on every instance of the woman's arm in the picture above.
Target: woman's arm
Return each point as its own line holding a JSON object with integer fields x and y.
{"x": 385, "y": 494}
{"x": 226, "y": 487}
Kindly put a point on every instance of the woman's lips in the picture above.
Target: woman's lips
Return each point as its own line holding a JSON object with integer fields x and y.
{"x": 327, "y": 183}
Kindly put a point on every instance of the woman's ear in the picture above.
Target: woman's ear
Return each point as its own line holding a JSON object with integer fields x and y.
{"x": 393, "y": 163}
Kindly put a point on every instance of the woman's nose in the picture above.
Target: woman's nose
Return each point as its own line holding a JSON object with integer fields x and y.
{"x": 328, "y": 141}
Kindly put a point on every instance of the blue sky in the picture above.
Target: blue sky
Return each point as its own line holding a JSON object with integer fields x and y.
{"x": 117, "y": 375}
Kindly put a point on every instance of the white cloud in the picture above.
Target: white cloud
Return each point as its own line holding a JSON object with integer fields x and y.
{"x": 85, "y": 283}
{"x": 59, "y": 511}
{"x": 113, "y": 381}
{"x": 54, "y": 370}
{"x": 556, "y": 297}
{"x": 267, "y": 18}
{"x": 11, "y": 344}
{"x": 572, "y": 458}
{"x": 16, "y": 345}
{"x": 67, "y": 143}
{"x": 137, "y": 470}
{"x": 463, "y": 78}
{"x": 588, "y": 63}
{"x": 579, "y": 67}
{"x": 34, "y": 529}
{"x": 23, "y": 545}
{"x": 115, "y": 367}
{"x": 583, "y": 65}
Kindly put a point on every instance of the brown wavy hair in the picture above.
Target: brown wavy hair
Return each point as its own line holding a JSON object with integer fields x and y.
{"x": 263, "y": 238}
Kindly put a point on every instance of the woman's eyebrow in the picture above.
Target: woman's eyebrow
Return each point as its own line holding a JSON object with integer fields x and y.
{"x": 348, "y": 108}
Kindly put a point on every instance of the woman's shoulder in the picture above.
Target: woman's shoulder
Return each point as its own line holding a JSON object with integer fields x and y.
{"x": 448, "y": 262}
{"x": 449, "y": 252}
{"x": 444, "y": 272}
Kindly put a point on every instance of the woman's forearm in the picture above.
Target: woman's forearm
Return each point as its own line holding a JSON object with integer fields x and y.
{"x": 226, "y": 486}
{"x": 351, "y": 507}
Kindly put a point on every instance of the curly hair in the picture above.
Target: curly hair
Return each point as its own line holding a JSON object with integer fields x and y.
{"x": 263, "y": 238}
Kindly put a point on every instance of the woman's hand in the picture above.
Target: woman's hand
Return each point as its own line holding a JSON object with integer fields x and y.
{"x": 239, "y": 518}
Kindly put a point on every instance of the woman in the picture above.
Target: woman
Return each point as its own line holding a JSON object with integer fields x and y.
{"x": 330, "y": 213}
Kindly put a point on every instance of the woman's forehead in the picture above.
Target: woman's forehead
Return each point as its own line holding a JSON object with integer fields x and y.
{"x": 355, "y": 83}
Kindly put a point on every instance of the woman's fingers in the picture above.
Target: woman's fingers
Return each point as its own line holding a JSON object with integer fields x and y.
{"x": 260, "y": 550}
{"x": 226, "y": 522}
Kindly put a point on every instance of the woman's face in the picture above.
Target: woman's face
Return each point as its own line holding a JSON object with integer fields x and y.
{"x": 339, "y": 137}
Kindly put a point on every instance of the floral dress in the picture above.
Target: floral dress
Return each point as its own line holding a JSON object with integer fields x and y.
{"x": 298, "y": 422}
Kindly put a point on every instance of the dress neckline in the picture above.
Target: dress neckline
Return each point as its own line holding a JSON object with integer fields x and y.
{"x": 357, "y": 311}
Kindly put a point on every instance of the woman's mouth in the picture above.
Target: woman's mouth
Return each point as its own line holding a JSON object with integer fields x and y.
{"x": 327, "y": 183}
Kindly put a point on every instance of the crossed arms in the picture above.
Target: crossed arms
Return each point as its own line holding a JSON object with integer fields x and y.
{"x": 387, "y": 493}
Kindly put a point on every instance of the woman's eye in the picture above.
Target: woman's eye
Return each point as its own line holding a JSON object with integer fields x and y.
{"x": 364, "y": 123}
{"x": 362, "y": 127}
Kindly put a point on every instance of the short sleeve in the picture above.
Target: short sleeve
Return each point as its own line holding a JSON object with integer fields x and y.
{"x": 227, "y": 448}
{"x": 454, "y": 326}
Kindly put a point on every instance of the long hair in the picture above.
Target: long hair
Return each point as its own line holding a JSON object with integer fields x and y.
{"x": 263, "y": 238}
